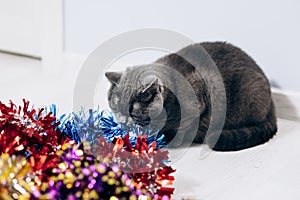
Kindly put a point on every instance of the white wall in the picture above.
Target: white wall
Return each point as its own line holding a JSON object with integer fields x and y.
{"x": 267, "y": 29}
{"x": 20, "y": 27}
{"x": 33, "y": 28}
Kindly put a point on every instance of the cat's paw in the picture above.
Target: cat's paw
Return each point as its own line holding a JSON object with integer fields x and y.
{"x": 212, "y": 141}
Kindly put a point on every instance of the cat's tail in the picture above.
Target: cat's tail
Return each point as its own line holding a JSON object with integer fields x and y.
{"x": 238, "y": 139}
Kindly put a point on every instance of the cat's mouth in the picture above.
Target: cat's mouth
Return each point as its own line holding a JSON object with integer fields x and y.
{"x": 150, "y": 122}
{"x": 144, "y": 122}
{"x": 154, "y": 122}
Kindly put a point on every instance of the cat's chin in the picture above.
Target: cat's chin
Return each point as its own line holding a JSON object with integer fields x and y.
{"x": 143, "y": 123}
{"x": 150, "y": 123}
{"x": 154, "y": 125}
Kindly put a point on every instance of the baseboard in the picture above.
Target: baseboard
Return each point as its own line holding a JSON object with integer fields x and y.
{"x": 287, "y": 104}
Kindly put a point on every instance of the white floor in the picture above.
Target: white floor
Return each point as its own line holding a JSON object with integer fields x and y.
{"x": 269, "y": 171}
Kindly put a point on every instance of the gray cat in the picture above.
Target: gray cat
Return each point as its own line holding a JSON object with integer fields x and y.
{"x": 152, "y": 94}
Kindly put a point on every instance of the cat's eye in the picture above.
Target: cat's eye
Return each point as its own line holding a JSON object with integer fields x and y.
{"x": 146, "y": 96}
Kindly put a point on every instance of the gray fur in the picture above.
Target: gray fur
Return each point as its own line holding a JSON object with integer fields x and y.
{"x": 140, "y": 95}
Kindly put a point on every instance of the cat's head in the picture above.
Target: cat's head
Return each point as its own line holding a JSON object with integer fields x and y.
{"x": 135, "y": 97}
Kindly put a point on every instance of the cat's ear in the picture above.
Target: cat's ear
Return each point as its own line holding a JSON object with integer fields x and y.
{"x": 151, "y": 85}
{"x": 113, "y": 77}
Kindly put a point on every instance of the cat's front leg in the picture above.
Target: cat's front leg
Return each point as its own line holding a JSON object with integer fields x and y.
{"x": 186, "y": 133}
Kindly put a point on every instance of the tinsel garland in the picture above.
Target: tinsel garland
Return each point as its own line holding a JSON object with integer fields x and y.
{"x": 57, "y": 166}
{"x": 145, "y": 164}
{"x": 80, "y": 176}
{"x": 31, "y": 133}
{"x": 15, "y": 182}
{"x": 28, "y": 132}
{"x": 89, "y": 127}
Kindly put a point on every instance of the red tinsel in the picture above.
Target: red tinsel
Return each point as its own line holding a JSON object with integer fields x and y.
{"x": 31, "y": 133}
{"x": 145, "y": 164}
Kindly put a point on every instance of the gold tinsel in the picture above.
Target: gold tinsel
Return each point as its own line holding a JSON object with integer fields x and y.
{"x": 15, "y": 182}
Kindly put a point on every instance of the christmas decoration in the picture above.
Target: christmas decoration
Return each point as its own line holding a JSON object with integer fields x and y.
{"x": 89, "y": 127}
{"x": 80, "y": 176}
{"x": 15, "y": 182}
{"x": 28, "y": 132}
{"x": 144, "y": 163}
{"x": 79, "y": 156}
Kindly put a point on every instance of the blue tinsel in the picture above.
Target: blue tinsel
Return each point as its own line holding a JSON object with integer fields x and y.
{"x": 66, "y": 125}
{"x": 82, "y": 127}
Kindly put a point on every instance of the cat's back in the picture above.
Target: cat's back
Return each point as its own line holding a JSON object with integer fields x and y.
{"x": 225, "y": 55}
{"x": 228, "y": 58}
{"x": 235, "y": 66}
{"x": 237, "y": 69}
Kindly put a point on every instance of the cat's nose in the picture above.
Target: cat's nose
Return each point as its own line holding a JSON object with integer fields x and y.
{"x": 129, "y": 121}
{"x": 124, "y": 119}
